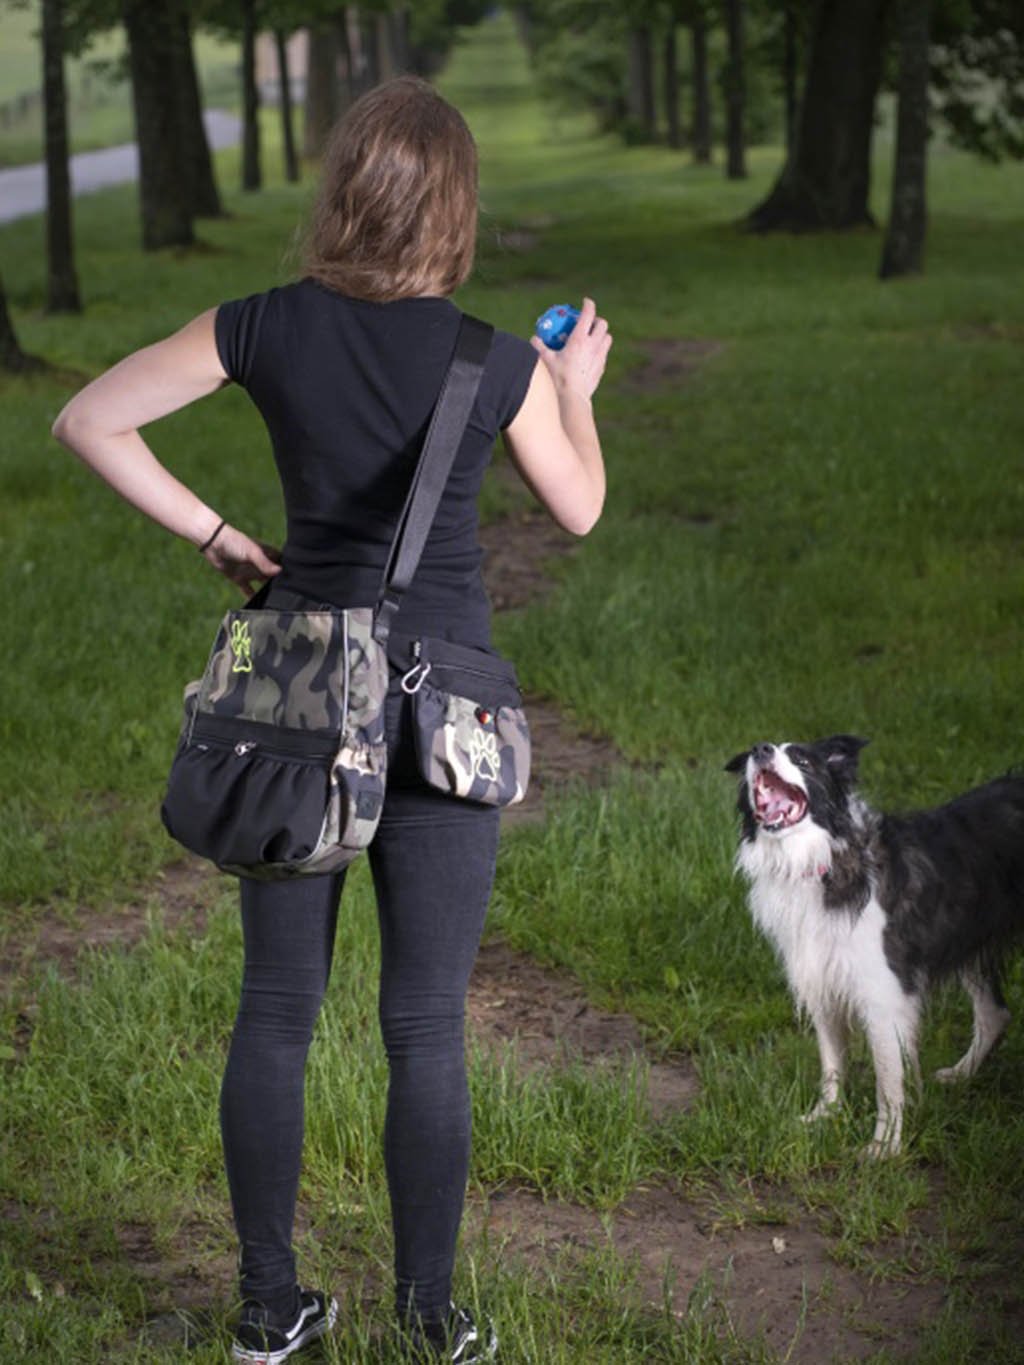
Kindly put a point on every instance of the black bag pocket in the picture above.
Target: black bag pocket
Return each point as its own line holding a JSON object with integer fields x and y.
{"x": 243, "y": 793}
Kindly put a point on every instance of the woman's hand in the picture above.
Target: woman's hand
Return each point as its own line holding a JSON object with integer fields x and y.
{"x": 579, "y": 365}
{"x": 244, "y": 561}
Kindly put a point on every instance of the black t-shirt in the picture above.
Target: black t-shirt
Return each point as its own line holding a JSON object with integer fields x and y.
{"x": 346, "y": 388}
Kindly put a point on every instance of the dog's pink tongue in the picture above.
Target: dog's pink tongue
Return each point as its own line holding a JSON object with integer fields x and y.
{"x": 777, "y": 805}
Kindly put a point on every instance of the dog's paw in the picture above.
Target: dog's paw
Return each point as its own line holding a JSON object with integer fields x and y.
{"x": 824, "y": 1109}
{"x": 881, "y": 1149}
{"x": 951, "y": 1075}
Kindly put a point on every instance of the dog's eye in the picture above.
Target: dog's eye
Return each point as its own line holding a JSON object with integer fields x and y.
{"x": 801, "y": 760}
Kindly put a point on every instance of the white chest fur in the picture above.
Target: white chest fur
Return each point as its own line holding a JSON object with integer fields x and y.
{"x": 832, "y": 958}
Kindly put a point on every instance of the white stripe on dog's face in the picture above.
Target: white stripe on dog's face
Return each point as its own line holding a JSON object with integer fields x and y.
{"x": 776, "y": 786}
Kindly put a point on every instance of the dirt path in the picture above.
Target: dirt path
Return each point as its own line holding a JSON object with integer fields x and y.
{"x": 518, "y": 552}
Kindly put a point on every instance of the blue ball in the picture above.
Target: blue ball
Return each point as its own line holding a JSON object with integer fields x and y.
{"x": 555, "y": 326}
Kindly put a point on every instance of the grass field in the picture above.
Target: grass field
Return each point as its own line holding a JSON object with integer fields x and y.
{"x": 818, "y": 528}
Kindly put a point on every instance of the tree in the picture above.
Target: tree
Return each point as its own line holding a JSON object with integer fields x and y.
{"x": 252, "y": 175}
{"x": 977, "y": 74}
{"x": 291, "y": 160}
{"x": 670, "y": 78}
{"x": 735, "y": 93}
{"x": 790, "y": 43}
{"x": 701, "y": 136}
{"x": 12, "y": 358}
{"x": 826, "y": 178}
{"x": 154, "y": 39}
{"x": 431, "y": 27}
{"x": 62, "y": 294}
{"x": 903, "y": 251}
{"x": 396, "y": 24}
{"x": 640, "y": 97}
{"x": 321, "y": 106}
{"x": 200, "y": 182}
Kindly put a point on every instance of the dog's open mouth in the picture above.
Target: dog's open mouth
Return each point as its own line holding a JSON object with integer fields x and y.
{"x": 777, "y": 804}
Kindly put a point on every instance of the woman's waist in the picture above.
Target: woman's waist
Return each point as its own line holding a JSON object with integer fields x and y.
{"x": 455, "y": 611}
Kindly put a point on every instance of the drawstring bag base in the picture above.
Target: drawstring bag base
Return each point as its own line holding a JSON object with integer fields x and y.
{"x": 281, "y": 765}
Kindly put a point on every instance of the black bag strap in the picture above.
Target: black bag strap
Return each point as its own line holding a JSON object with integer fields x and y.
{"x": 444, "y": 436}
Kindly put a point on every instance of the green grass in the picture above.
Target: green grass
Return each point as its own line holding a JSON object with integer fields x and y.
{"x": 817, "y": 530}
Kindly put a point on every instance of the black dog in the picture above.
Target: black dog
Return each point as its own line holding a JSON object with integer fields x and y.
{"x": 867, "y": 911}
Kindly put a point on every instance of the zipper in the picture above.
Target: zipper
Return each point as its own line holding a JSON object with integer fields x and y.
{"x": 450, "y": 666}
{"x": 248, "y": 746}
{"x": 478, "y": 673}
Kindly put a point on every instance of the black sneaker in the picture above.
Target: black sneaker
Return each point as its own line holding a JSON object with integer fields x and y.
{"x": 458, "y": 1340}
{"x": 261, "y": 1343}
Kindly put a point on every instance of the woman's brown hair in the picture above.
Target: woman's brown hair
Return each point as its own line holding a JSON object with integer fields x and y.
{"x": 396, "y": 212}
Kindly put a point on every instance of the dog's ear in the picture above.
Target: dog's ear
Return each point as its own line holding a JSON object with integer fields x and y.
{"x": 842, "y": 753}
{"x": 739, "y": 763}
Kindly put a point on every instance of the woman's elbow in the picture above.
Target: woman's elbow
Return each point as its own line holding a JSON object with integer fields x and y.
{"x": 71, "y": 426}
{"x": 582, "y": 520}
{"x": 63, "y": 425}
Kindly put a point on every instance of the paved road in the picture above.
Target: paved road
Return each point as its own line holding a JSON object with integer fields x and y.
{"x": 23, "y": 188}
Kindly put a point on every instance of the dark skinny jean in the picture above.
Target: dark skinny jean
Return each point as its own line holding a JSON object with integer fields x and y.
{"x": 433, "y": 865}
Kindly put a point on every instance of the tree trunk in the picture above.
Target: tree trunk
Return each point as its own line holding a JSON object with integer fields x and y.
{"x": 62, "y": 282}
{"x": 321, "y": 86}
{"x": 825, "y": 182}
{"x": 349, "y": 80}
{"x": 197, "y": 167}
{"x": 735, "y": 93}
{"x": 789, "y": 71}
{"x": 382, "y": 45}
{"x": 13, "y": 360}
{"x": 153, "y": 35}
{"x": 369, "y": 36}
{"x": 398, "y": 39}
{"x": 252, "y": 177}
{"x": 671, "y": 71}
{"x": 641, "y": 83}
{"x": 903, "y": 252}
{"x": 701, "y": 92}
{"x": 291, "y": 160}
{"x": 523, "y": 16}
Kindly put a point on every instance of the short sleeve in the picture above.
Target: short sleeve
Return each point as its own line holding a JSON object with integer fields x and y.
{"x": 512, "y": 363}
{"x": 237, "y": 330}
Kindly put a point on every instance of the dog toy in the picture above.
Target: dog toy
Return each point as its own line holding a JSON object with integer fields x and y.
{"x": 555, "y": 326}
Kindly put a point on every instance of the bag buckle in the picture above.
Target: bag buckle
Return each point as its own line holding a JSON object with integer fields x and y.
{"x": 414, "y": 679}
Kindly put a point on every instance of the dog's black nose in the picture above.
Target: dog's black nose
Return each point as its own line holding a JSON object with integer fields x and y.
{"x": 763, "y": 753}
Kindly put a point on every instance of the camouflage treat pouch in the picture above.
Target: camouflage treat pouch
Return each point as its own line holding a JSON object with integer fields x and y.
{"x": 472, "y": 737}
{"x": 281, "y": 765}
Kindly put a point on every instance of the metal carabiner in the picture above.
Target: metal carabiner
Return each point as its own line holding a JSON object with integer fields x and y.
{"x": 413, "y": 680}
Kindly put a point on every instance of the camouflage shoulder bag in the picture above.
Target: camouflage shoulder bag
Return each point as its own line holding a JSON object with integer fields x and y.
{"x": 281, "y": 765}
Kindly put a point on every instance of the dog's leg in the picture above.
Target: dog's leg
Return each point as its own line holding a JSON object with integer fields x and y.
{"x": 990, "y": 1020}
{"x": 830, "y": 1028}
{"x": 892, "y": 1037}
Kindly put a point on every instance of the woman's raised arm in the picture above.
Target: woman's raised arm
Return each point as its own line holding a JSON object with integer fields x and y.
{"x": 552, "y": 440}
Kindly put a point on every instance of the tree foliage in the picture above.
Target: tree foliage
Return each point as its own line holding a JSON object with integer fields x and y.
{"x": 582, "y": 54}
{"x": 977, "y": 74}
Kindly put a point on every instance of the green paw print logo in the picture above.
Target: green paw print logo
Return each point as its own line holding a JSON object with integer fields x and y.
{"x": 241, "y": 647}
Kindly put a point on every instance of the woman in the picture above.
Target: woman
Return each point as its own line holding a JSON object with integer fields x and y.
{"x": 345, "y": 367}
